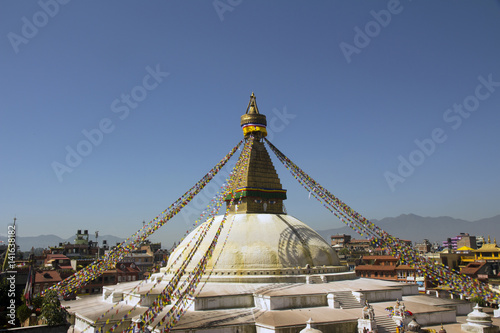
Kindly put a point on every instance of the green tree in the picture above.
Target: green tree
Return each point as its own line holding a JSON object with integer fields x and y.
{"x": 4, "y": 291}
{"x": 479, "y": 300}
{"x": 37, "y": 302}
{"x": 52, "y": 311}
{"x": 23, "y": 313}
{"x": 345, "y": 251}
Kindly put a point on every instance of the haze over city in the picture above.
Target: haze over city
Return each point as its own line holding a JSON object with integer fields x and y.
{"x": 111, "y": 110}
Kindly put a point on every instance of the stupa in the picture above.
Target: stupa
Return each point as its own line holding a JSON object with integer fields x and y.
{"x": 273, "y": 275}
{"x": 479, "y": 322}
{"x": 265, "y": 243}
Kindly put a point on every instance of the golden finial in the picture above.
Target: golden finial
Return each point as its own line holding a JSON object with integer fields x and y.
{"x": 252, "y": 105}
{"x": 489, "y": 240}
{"x": 252, "y": 122}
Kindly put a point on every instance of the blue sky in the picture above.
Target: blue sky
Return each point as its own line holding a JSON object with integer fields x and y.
{"x": 351, "y": 86}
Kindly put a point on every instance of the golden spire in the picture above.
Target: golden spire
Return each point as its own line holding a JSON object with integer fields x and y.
{"x": 259, "y": 190}
{"x": 489, "y": 240}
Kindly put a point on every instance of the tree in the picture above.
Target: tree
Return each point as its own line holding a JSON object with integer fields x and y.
{"x": 37, "y": 303}
{"x": 52, "y": 311}
{"x": 344, "y": 251}
{"x": 478, "y": 300}
{"x": 4, "y": 291}
{"x": 23, "y": 313}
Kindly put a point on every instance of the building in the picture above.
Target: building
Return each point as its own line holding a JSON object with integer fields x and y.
{"x": 362, "y": 245}
{"x": 148, "y": 257}
{"x": 482, "y": 264}
{"x": 144, "y": 257}
{"x": 467, "y": 241}
{"x": 343, "y": 241}
{"x": 424, "y": 247}
{"x": 123, "y": 272}
{"x": 161, "y": 256}
{"x": 385, "y": 268}
{"x": 270, "y": 273}
{"x": 57, "y": 261}
{"x": 465, "y": 251}
{"x": 464, "y": 239}
{"x": 45, "y": 279}
{"x": 450, "y": 259}
{"x": 340, "y": 241}
{"x": 487, "y": 252}
{"x": 82, "y": 247}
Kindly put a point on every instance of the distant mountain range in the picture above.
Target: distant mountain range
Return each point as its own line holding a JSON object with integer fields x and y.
{"x": 407, "y": 226}
{"x": 435, "y": 229}
{"x": 44, "y": 241}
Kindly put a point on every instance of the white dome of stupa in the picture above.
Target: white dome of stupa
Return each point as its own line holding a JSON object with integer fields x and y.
{"x": 259, "y": 242}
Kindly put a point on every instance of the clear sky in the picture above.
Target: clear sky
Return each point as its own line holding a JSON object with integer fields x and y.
{"x": 392, "y": 106}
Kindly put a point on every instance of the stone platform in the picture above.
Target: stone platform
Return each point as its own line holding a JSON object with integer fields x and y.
{"x": 269, "y": 307}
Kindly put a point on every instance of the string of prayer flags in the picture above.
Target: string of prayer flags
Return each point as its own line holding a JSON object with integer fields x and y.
{"x": 460, "y": 283}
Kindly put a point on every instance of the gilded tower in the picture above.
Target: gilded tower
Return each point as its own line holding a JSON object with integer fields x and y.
{"x": 259, "y": 190}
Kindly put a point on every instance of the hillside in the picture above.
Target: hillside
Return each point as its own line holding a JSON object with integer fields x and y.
{"x": 406, "y": 226}
{"x": 435, "y": 229}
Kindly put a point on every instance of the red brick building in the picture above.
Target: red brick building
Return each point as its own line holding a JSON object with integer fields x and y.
{"x": 385, "y": 268}
{"x": 123, "y": 272}
{"x": 57, "y": 261}
{"x": 45, "y": 279}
